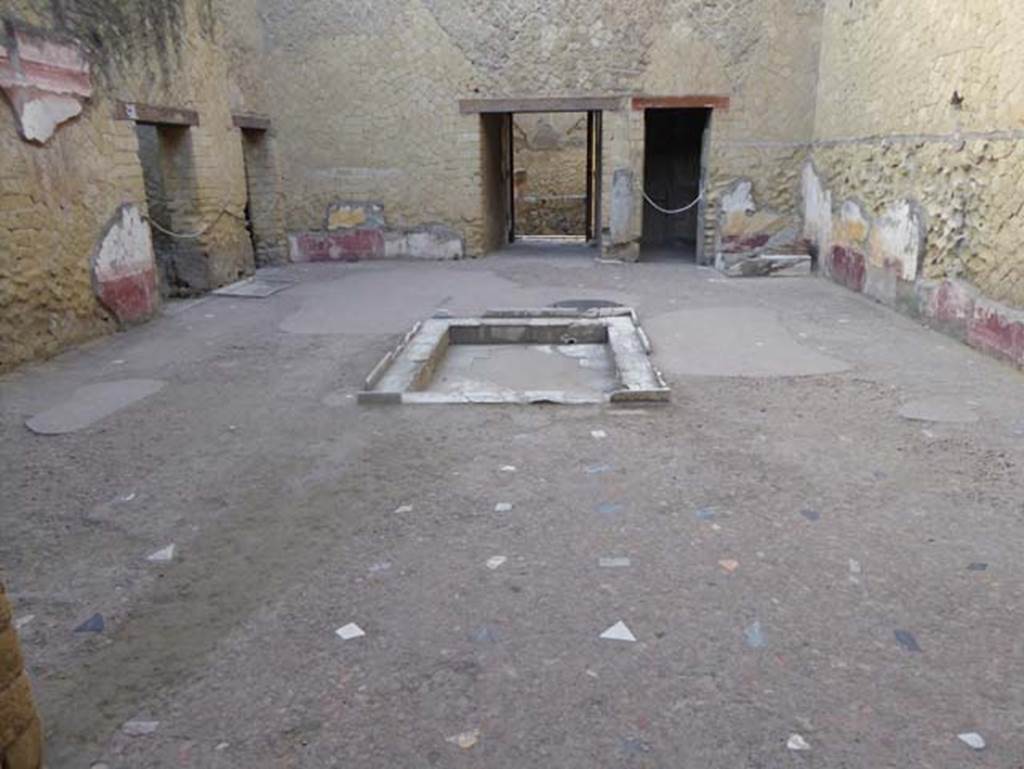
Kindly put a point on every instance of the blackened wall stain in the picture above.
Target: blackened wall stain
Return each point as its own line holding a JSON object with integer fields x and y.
{"x": 120, "y": 36}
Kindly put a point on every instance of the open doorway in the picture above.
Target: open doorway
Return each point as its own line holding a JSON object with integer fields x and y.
{"x": 549, "y": 160}
{"x": 674, "y": 161}
{"x": 540, "y": 170}
{"x": 168, "y": 170}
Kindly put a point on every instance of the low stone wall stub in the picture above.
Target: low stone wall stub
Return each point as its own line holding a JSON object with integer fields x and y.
{"x": 357, "y": 231}
{"x": 746, "y": 231}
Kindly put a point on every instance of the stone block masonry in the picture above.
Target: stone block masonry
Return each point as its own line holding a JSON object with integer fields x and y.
{"x": 21, "y": 739}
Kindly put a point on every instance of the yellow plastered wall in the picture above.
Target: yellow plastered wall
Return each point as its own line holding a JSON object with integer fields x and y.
{"x": 365, "y": 95}
{"x": 925, "y": 101}
{"x": 56, "y": 199}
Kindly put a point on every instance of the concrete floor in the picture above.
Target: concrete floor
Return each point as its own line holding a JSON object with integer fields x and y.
{"x": 792, "y": 538}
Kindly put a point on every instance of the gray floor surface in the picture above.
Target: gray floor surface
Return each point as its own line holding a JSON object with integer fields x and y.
{"x": 819, "y": 536}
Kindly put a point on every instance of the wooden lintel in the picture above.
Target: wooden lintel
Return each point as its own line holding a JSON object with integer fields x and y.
{"x": 550, "y": 104}
{"x": 148, "y": 113}
{"x": 700, "y": 101}
{"x": 252, "y": 122}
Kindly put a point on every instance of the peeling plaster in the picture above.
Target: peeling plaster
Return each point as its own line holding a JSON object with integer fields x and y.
{"x": 45, "y": 81}
{"x": 898, "y": 238}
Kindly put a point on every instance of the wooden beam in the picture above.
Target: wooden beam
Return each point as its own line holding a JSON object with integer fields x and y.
{"x": 553, "y": 104}
{"x": 253, "y": 122}
{"x": 148, "y": 113}
{"x": 700, "y": 101}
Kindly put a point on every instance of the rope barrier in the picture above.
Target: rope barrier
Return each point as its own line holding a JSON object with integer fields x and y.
{"x": 676, "y": 211}
{"x": 199, "y": 233}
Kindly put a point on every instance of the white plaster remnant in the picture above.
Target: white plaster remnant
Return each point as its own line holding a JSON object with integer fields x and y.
{"x": 853, "y": 217}
{"x": 124, "y": 267}
{"x": 898, "y": 238}
{"x": 817, "y": 209}
{"x": 496, "y": 562}
{"x": 127, "y": 248}
{"x": 622, "y": 205}
{"x": 740, "y": 199}
{"x": 45, "y": 81}
{"x": 40, "y": 115}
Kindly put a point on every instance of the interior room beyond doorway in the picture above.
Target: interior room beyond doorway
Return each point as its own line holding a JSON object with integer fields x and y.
{"x": 674, "y": 141}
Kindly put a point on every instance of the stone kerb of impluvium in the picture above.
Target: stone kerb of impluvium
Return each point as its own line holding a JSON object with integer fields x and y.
{"x": 405, "y": 373}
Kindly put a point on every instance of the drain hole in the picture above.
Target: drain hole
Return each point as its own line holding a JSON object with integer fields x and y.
{"x": 568, "y": 340}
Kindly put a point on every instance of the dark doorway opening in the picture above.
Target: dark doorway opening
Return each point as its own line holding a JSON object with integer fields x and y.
{"x": 168, "y": 170}
{"x": 261, "y": 196}
{"x": 675, "y": 142}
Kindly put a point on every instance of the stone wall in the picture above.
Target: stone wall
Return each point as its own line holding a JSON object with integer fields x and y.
{"x": 64, "y": 277}
{"x": 914, "y": 191}
{"x": 365, "y": 97}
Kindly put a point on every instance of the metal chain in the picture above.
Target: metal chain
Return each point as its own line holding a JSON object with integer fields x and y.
{"x": 682, "y": 210}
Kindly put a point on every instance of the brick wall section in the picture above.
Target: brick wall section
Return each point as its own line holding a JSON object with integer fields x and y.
{"x": 57, "y": 199}
{"x": 20, "y": 729}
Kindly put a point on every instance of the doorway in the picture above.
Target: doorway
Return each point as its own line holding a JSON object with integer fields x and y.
{"x": 675, "y": 142}
{"x": 540, "y": 171}
{"x": 168, "y": 170}
{"x": 550, "y": 181}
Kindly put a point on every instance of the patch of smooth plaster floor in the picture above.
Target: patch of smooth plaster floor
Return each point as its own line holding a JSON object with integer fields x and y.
{"x": 733, "y": 342}
{"x": 90, "y": 404}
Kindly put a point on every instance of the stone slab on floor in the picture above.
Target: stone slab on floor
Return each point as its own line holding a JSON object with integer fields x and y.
{"x": 254, "y": 288}
{"x": 90, "y": 404}
{"x": 734, "y": 342}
